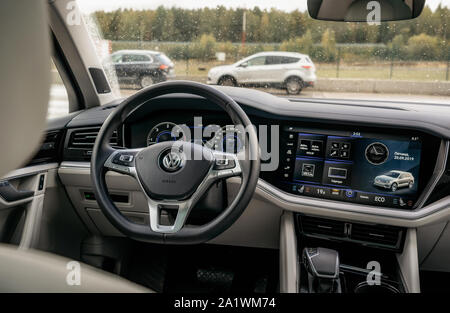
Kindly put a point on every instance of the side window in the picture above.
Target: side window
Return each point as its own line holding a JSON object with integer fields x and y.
{"x": 59, "y": 100}
{"x": 135, "y": 58}
{"x": 256, "y": 61}
{"x": 126, "y": 58}
{"x": 117, "y": 58}
{"x": 288, "y": 60}
{"x": 272, "y": 60}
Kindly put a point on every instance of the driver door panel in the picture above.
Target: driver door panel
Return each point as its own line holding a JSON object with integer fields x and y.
{"x": 21, "y": 203}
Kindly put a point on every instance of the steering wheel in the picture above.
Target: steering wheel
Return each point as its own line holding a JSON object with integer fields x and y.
{"x": 175, "y": 175}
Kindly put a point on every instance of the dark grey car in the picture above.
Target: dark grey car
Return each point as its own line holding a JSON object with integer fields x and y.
{"x": 142, "y": 67}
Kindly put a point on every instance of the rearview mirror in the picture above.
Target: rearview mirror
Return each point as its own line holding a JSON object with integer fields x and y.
{"x": 370, "y": 11}
{"x": 244, "y": 65}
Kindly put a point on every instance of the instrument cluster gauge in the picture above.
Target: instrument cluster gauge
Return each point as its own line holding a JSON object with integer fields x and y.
{"x": 377, "y": 153}
{"x": 229, "y": 139}
{"x": 165, "y": 131}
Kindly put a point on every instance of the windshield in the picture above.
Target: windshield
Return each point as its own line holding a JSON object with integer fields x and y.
{"x": 392, "y": 174}
{"x": 274, "y": 46}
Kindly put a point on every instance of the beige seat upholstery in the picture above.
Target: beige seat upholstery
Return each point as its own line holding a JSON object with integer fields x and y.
{"x": 25, "y": 79}
{"x": 35, "y": 271}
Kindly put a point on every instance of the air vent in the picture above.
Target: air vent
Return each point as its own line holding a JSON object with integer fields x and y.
{"x": 377, "y": 236}
{"x": 381, "y": 235}
{"x": 48, "y": 151}
{"x": 322, "y": 227}
{"x": 85, "y": 139}
{"x": 80, "y": 142}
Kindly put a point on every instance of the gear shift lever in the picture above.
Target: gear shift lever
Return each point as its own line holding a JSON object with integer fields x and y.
{"x": 323, "y": 270}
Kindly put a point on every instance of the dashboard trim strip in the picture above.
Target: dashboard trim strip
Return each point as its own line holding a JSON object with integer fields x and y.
{"x": 321, "y": 207}
{"x": 439, "y": 170}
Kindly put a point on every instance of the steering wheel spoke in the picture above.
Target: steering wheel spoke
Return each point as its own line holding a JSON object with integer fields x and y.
{"x": 122, "y": 161}
{"x": 156, "y": 207}
{"x": 225, "y": 165}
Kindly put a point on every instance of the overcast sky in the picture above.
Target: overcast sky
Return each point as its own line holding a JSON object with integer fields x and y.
{"x": 88, "y": 6}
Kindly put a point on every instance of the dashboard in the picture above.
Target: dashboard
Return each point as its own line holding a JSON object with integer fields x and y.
{"x": 341, "y": 155}
{"x": 358, "y": 164}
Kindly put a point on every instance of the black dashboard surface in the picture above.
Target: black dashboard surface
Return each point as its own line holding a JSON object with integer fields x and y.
{"x": 430, "y": 118}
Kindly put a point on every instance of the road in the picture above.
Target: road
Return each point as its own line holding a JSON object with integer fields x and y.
{"x": 310, "y": 93}
{"x": 58, "y": 105}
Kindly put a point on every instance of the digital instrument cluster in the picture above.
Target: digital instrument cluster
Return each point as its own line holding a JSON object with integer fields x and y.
{"x": 226, "y": 138}
{"x": 355, "y": 167}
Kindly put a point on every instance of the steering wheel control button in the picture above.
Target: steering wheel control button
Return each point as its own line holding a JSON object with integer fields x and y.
{"x": 120, "y": 168}
{"x": 224, "y": 164}
{"x": 377, "y": 153}
{"x": 126, "y": 158}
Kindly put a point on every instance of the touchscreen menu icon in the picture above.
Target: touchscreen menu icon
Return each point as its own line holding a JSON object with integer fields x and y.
{"x": 337, "y": 173}
{"x": 308, "y": 169}
{"x": 339, "y": 147}
{"x": 311, "y": 145}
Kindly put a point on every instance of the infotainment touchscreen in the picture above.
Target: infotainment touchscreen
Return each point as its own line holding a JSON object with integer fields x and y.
{"x": 370, "y": 169}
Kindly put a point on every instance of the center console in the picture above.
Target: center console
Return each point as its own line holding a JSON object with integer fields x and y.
{"x": 364, "y": 167}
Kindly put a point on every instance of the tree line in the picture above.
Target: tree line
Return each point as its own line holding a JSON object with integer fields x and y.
{"x": 425, "y": 37}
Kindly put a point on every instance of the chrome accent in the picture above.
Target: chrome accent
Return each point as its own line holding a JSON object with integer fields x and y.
{"x": 297, "y": 203}
{"x": 336, "y": 206}
{"x": 172, "y": 161}
{"x": 439, "y": 170}
{"x": 75, "y": 164}
{"x": 30, "y": 170}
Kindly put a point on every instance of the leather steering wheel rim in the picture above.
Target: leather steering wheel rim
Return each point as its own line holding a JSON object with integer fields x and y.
{"x": 102, "y": 152}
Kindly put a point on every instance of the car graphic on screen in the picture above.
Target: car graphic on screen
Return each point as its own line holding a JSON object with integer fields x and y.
{"x": 394, "y": 179}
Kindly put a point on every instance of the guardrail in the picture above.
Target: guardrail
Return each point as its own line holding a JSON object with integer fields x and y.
{"x": 435, "y": 88}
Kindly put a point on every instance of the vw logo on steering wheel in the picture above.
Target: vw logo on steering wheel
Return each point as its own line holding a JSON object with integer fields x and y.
{"x": 171, "y": 161}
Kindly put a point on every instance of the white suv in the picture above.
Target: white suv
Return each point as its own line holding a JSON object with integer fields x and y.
{"x": 394, "y": 180}
{"x": 287, "y": 70}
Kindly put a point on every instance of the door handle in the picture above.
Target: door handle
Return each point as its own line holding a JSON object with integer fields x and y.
{"x": 10, "y": 193}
